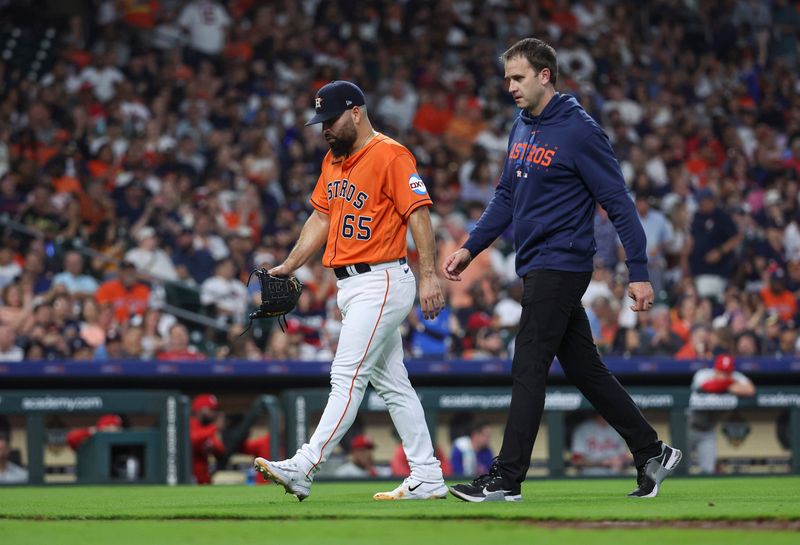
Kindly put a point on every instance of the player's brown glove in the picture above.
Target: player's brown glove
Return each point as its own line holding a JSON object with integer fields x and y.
{"x": 279, "y": 295}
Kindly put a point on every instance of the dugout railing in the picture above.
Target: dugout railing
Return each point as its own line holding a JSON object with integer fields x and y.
{"x": 166, "y": 445}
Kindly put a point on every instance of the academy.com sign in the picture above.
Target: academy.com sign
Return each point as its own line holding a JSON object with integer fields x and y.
{"x": 554, "y": 401}
{"x": 61, "y": 403}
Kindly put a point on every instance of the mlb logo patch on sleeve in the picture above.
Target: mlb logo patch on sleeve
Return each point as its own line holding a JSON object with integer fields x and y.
{"x": 416, "y": 184}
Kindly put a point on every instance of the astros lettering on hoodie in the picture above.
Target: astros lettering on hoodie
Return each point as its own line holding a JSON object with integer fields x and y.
{"x": 558, "y": 164}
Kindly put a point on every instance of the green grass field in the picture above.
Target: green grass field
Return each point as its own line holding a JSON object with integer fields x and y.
{"x": 687, "y": 511}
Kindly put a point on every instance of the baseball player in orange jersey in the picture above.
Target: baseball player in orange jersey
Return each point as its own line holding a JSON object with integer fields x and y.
{"x": 366, "y": 197}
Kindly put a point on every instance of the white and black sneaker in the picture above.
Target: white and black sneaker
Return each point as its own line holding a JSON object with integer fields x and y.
{"x": 487, "y": 487}
{"x": 654, "y": 471}
{"x": 411, "y": 489}
{"x": 287, "y": 474}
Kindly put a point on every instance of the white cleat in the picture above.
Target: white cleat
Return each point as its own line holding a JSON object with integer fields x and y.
{"x": 412, "y": 489}
{"x": 287, "y": 475}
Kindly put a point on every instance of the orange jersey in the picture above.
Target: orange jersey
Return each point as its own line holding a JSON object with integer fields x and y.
{"x": 368, "y": 197}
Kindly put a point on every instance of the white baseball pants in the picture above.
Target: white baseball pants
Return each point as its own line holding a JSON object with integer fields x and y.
{"x": 373, "y": 305}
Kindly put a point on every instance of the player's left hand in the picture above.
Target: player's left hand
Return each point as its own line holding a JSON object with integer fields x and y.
{"x": 642, "y": 295}
{"x": 431, "y": 300}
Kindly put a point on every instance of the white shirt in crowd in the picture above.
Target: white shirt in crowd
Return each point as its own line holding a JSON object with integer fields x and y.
{"x": 15, "y": 353}
{"x": 153, "y": 262}
{"x": 214, "y": 244}
{"x": 399, "y": 112}
{"x": 228, "y": 295}
{"x": 8, "y": 273}
{"x": 102, "y": 81}
{"x": 596, "y": 442}
{"x": 13, "y": 474}
{"x": 206, "y": 22}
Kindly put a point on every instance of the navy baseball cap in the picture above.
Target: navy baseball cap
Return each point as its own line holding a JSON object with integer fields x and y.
{"x": 334, "y": 98}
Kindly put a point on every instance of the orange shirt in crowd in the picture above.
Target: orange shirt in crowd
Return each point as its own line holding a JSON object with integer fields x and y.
{"x": 783, "y": 303}
{"x": 126, "y": 302}
{"x": 679, "y": 326}
{"x": 431, "y": 119}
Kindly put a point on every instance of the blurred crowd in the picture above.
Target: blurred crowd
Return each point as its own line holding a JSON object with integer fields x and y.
{"x": 154, "y": 153}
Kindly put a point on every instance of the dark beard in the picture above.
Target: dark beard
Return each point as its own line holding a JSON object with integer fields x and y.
{"x": 342, "y": 145}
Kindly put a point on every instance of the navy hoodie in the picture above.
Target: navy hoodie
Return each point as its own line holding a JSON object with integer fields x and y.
{"x": 558, "y": 164}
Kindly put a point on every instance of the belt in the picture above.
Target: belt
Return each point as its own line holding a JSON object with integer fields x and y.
{"x": 360, "y": 268}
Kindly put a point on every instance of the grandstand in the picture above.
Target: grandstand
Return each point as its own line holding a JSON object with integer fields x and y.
{"x": 149, "y": 160}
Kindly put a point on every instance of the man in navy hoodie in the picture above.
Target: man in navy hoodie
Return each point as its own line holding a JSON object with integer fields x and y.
{"x": 559, "y": 163}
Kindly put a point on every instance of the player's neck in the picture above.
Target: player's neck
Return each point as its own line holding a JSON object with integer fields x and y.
{"x": 362, "y": 141}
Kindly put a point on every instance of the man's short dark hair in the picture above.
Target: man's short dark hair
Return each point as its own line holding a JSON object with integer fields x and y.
{"x": 539, "y": 54}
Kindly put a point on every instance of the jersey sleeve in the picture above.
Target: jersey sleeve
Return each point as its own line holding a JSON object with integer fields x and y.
{"x": 319, "y": 197}
{"x": 405, "y": 186}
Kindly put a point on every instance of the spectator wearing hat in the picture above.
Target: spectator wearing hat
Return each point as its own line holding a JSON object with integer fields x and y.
{"x": 148, "y": 258}
{"x": 722, "y": 378}
{"x": 715, "y": 237}
{"x": 126, "y": 295}
{"x": 776, "y": 298}
{"x": 362, "y": 461}
{"x": 205, "y": 426}
{"x": 107, "y": 423}
{"x": 205, "y": 435}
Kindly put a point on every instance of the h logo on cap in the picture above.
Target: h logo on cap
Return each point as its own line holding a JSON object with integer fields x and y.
{"x": 318, "y": 103}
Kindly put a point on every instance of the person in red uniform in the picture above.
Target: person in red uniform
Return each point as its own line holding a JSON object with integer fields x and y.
{"x": 106, "y": 423}
{"x": 205, "y": 435}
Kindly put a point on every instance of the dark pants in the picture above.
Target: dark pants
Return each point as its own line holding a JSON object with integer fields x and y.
{"x": 554, "y": 323}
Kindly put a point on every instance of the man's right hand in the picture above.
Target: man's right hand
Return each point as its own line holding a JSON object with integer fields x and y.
{"x": 455, "y": 264}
